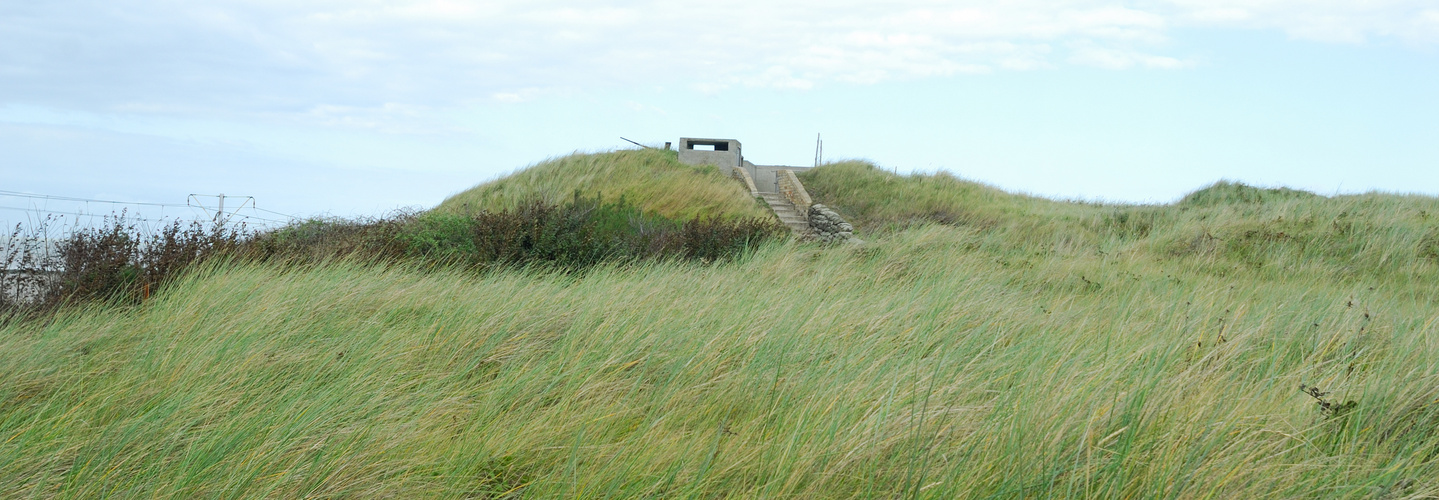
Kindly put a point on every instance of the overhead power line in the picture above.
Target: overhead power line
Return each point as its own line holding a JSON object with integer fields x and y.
{"x": 127, "y": 217}
{"x": 20, "y": 194}
{"x": 276, "y": 213}
{"x": 87, "y": 200}
{"x": 78, "y": 214}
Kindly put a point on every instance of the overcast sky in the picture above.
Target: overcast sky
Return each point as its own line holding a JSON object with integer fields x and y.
{"x": 359, "y": 107}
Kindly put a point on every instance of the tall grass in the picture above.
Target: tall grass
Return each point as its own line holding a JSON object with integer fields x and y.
{"x": 654, "y": 180}
{"x": 1224, "y": 229}
{"x": 926, "y": 365}
{"x": 982, "y": 345}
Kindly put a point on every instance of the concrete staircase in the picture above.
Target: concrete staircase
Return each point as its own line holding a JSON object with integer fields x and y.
{"x": 797, "y": 222}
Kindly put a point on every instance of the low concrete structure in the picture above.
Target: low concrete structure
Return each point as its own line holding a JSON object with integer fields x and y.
{"x": 727, "y": 155}
{"x": 722, "y": 153}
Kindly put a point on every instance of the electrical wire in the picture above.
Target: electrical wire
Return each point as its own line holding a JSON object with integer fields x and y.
{"x": 139, "y": 203}
{"x": 276, "y": 213}
{"x": 88, "y": 200}
{"x": 128, "y": 217}
{"x": 78, "y": 214}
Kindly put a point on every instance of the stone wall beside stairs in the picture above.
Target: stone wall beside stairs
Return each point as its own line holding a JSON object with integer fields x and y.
{"x": 826, "y": 225}
{"x": 793, "y": 191}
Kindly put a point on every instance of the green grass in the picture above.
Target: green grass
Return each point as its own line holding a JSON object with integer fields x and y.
{"x": 982, "y": 345}
{"x": 654, "y": 180}
{"x": 1222, "y": 229}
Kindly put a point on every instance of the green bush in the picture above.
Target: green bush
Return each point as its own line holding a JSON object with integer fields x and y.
{"x": 583, "y": 232}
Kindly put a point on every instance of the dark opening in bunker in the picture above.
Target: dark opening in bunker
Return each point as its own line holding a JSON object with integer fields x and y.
{"x": 708, "y": 145}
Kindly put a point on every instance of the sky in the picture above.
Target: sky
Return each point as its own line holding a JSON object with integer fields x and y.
{"x": 360, "y": 107}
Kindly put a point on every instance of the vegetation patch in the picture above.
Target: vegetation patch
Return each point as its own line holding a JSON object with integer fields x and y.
{"x": 117, "y": 262}
{"x": 1228, "y": 192}
{"x": 980, "y": 345}
{"x": 653, "y": 180}
{"x": 1228, "y": 227}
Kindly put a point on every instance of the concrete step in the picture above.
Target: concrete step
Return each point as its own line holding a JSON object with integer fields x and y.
{"x": 785, "y": 211}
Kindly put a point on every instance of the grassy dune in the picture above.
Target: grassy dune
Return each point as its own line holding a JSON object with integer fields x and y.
{"x": 654, "y": 180}
{"x": 982, "y": 345}
{"x": 1221, "y": 230}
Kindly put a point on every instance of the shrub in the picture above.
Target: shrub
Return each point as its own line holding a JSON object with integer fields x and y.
{"x": 315, "y": 240}
{"x": 581, "y": 233}
{"x": 118, "y": 262}
{"x": 113, "y": 262}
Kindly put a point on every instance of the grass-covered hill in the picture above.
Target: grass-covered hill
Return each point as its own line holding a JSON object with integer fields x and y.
{"x": 1226, "y": 229}
{"x": 652, "y": 179}
{"x": 980, "y": 345}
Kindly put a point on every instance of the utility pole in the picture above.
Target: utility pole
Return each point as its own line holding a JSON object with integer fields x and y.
{"x": 818, "y": 150}
{"x": 221, "y": 218}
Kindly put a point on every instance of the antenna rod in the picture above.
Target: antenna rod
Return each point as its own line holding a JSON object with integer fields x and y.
{"x": 637, "y": 144}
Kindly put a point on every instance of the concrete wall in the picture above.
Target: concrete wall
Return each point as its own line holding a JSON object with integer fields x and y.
{"x": 743, "y": 176}
{"x": 728, "y": 159}
{"x": 766, "y": 177}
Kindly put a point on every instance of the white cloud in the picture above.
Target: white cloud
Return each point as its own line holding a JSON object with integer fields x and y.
{"x": 351, "y": 63}
{"x": 390, "y": 117}
{"x": 509, "y": 97}
{"x": 1089, "y": 54}
{"x": 1336, "y": 21}
{"x": 778, "y": 77}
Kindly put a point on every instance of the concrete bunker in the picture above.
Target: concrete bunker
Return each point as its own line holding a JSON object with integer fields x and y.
{"x": 722, "y": 153}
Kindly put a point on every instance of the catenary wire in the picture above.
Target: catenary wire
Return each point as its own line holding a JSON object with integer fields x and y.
{"x": 150, "y": 204}
{"x": 127, "y": 217}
